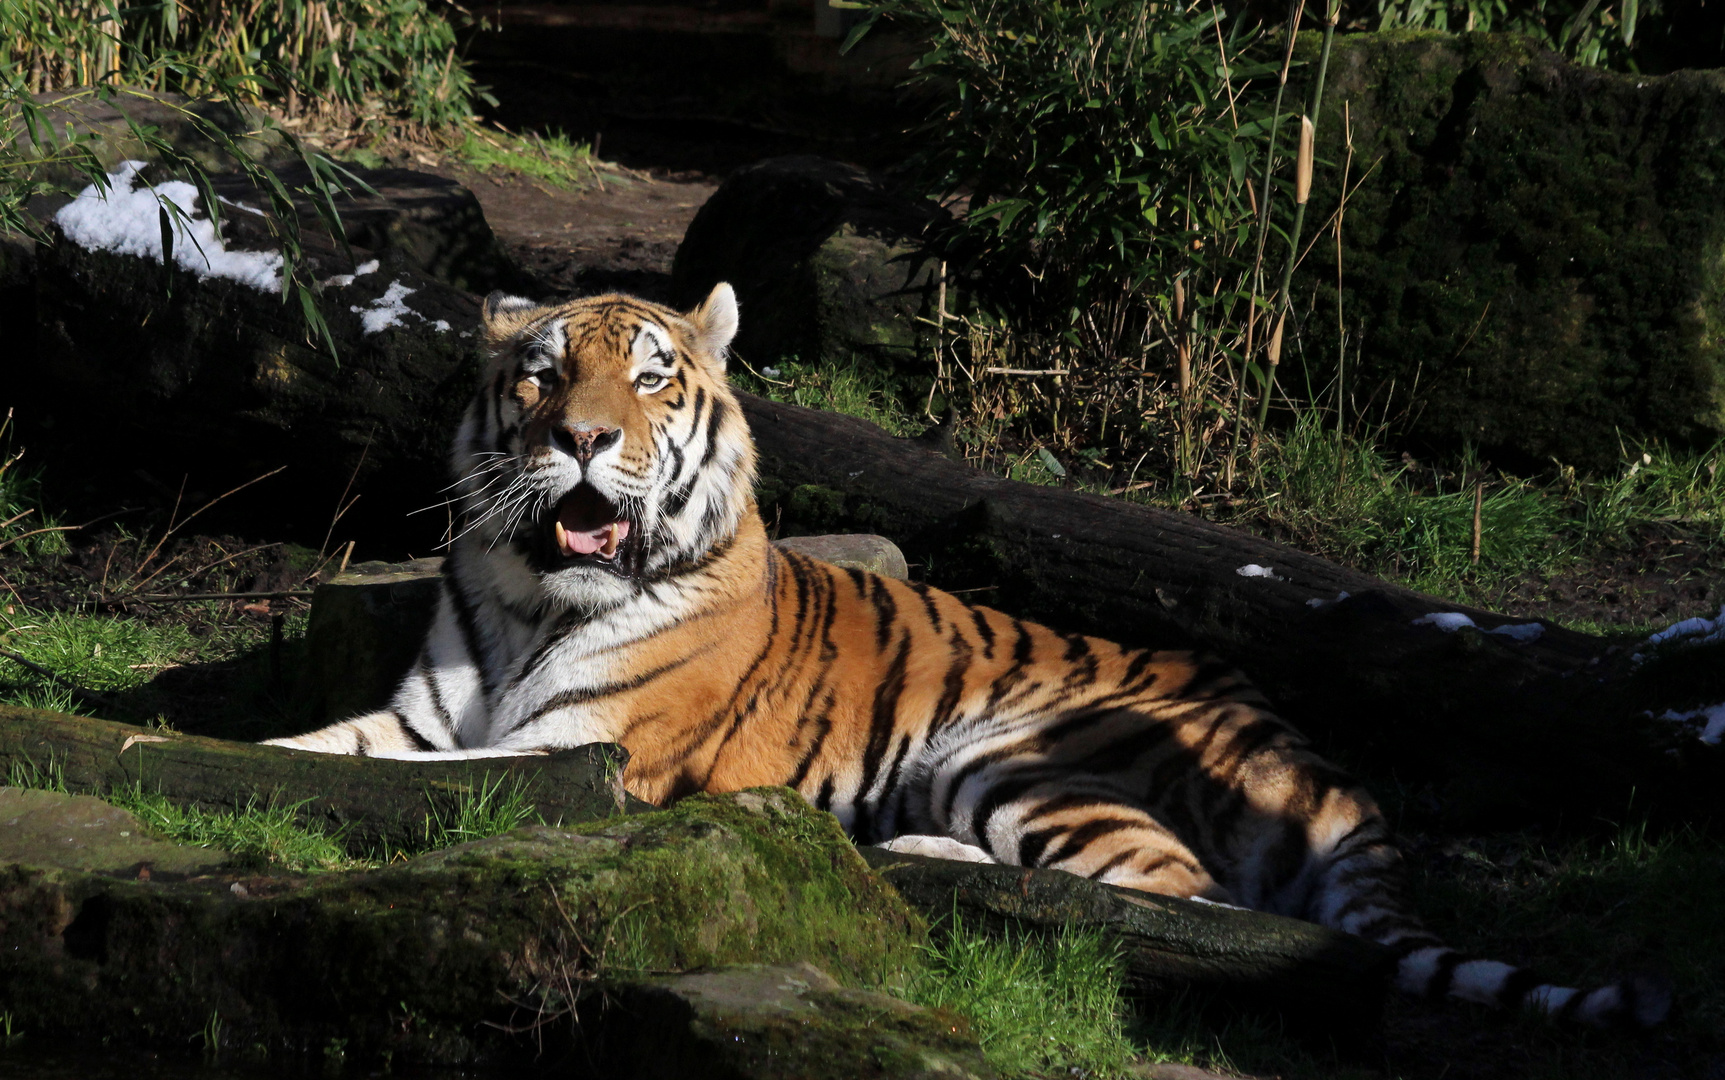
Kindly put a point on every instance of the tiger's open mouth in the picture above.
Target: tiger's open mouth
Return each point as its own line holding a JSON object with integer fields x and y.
{"x": 587, "y": 527}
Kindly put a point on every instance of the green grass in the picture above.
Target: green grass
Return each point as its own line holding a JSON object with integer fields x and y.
{"x": 1039, "y": 1007}
{"x": 269, "y": 835}
{"x": 851, "y": 388}
{"x": 25, "y": 526}
{"x": 550, "y": 158}
{"x": 264, "y": 836}
{"x": 494, "y": 807}
{"x": 99, "y": 653}
{"x": 1587, "y": 912}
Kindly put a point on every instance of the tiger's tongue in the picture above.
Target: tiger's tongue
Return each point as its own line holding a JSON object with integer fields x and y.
{"x": 602, "y": 540}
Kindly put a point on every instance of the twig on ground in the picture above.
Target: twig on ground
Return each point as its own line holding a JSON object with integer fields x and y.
{"x": 173, "y": 598}
{"x": 60, "y": 680}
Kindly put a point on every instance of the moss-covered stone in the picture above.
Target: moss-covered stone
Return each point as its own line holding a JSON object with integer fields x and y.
{"x": 785, "y": 1022}
{"x": 1537, "y": 258}
{"x": 425, "y": 959}
{"x": 77, "y": 832}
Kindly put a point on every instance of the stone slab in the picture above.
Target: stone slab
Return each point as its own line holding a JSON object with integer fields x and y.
{"x": 77, "y": 832}
{"x": 778, "y": 1022}
{"x": 860, "y": 551}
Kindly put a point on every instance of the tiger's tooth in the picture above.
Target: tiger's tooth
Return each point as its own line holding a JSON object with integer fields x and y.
{"x": 563, "y": 540}
{"x": 609, "y": 548}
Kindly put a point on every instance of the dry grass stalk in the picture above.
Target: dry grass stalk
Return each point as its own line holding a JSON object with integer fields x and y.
{"x": 1303, "y": 164}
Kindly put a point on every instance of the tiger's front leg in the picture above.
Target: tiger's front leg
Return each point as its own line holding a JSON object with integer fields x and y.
{"x": 439, "y": 712}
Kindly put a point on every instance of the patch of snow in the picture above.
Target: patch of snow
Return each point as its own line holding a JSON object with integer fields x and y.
{"x": 770, "y": 372}
{"x": 441, "y": 326}
{"x": 342, "y": 281}
{"x": 1688, "y": 633}
{"x": 1711, "y": 731}
{"x": 126, "y": 219}
{"x": 1318, "y": 601}
{"x": 240, "y": 206}
{"x": 387, "y": 310}
{"x": 1521, "y": 633}
{"x": 1447, "y": 621}
{"x": 1254, "y": 570}
{"x": 1451, "y": 621}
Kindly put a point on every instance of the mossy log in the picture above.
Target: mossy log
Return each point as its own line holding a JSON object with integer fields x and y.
{"x": 1313, "y": 975}
{"x": 377, "y": 803}
{"x": 440, "y": 958}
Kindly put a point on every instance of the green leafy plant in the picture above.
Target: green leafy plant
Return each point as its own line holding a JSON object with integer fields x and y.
{"x": 469, "y": 813}
{"x": 1591, "y": 32}
{"x": 392, "y": 59}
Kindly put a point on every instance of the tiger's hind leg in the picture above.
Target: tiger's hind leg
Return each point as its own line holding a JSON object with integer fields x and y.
{"x": 1083, "y": 826}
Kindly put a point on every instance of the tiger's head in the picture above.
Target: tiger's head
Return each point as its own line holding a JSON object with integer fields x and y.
{"x": 605, "y": 448}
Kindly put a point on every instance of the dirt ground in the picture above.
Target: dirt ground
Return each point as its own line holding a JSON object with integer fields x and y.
{"x": 619, "y": 235}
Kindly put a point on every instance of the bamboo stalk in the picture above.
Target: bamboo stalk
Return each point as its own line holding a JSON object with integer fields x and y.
{"x": 1308, "y": 137}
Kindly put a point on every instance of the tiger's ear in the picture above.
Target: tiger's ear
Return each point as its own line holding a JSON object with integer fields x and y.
{"x": 501, "y": 314}
{"x": 715, "y": 322}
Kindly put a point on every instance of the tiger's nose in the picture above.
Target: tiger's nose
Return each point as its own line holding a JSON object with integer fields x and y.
{"x": 582, "y": 440}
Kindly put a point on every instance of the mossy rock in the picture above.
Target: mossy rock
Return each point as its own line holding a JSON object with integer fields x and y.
{"x": 424, "y": 960}
{"x": 215, "y": 379}
{"x": 1537, "y": 258}
{"x": 824, "y": 258}
{"x": 785, "y": 1022}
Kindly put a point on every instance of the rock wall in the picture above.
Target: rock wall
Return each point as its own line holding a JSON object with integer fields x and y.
{"x": 1537, "y": 258}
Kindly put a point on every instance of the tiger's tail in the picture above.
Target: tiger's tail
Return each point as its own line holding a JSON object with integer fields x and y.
{"x": 1360, "y": 891}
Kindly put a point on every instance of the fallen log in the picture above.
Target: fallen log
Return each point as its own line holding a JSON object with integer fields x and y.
{"x": 377, "y": 804}
{"x": 1314, "y": 976}
{"x": 1498, "y": 725}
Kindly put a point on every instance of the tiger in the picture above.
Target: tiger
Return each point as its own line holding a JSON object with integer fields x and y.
{"x": 612, "y": 581}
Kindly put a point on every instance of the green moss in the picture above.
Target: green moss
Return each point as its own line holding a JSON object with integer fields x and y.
{"x": 415, "y": 959}
{"x": 813, "y": 505}
{"x": 1540, "y": 248}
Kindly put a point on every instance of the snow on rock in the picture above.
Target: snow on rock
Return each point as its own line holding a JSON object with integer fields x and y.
{"x": 1707, "y": 722}
{"x": 389, "y": 309}
{"x": 1318, "y": 601}
{"x": 1451, "y": 621}
{"x": 1688, "y": 633}
{"x": 342, "y": 281}
{"x": 1254, "y": 570}
{"x": 1447, "y": 621}
{"x": 126, "y": 219}
{"x": 1522, "y": 633}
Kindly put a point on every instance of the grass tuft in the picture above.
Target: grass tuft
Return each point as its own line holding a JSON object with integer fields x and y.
{"x": 1038, "y": 1006}
{"x": 267, "y": 836}
{"x": 492, "y": 808}
{"x": 851, "y": 388}
{"x": 552, "y": 158}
